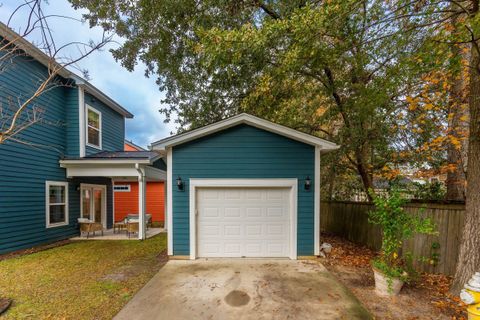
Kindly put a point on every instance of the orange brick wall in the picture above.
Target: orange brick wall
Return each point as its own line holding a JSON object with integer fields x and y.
{"x": 127, "y": 202}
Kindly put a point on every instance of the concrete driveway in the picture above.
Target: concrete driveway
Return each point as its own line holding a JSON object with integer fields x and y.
{"x": 243, "y": 289}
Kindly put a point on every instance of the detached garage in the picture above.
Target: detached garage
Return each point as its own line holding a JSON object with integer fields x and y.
{"x": 243, "y": 187}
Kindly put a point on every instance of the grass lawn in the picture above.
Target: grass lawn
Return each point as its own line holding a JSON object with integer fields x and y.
{"x": 80, "y": 280}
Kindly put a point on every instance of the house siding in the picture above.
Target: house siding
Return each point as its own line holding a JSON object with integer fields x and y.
{"x": 72, "y": 123}
{"x": 127, "y": 202}
{"x": 113, "y": 127}
{"x": 243, "y": 152}
{"x": 24, "y": 168}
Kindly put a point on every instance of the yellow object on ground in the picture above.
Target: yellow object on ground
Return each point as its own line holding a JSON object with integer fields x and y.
{"x": 474, "y": 312}
{"x": 471, "y": 296}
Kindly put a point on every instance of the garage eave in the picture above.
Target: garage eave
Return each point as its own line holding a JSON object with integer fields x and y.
{"x": 247, "y": 119}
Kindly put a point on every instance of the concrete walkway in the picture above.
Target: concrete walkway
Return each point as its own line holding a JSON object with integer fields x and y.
{"x": 243, "y": 289}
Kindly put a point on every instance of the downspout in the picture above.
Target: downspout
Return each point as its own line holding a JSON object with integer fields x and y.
{"x": 141, "y": 201}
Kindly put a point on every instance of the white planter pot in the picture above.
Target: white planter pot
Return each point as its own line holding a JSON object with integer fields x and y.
{"x": 381, "y": 285}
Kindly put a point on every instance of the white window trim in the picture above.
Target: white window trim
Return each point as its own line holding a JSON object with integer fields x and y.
{"x": 128, "y": 189}
{"x": 48, "y": 184}
{"x": 90, "y": 108}
{"x": 81, "y": 117}
{"x": 104, "y": 200}
{"x": 169, "y": 203}
{"x": 292, "y": 184}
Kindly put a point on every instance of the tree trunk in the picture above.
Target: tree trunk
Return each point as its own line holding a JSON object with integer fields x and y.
{"x": 469, "y": 255}
{"x": 364, "y": 173}
{"x": 331, "y": 181}
{"x": 456, "y": 178}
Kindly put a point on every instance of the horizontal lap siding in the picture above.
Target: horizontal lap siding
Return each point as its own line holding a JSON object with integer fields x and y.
{"x": 25, "y": 168}
{"x": 113, "y": 127}
{"x": 127, "y": 202}
{"x": 243, "y": 152}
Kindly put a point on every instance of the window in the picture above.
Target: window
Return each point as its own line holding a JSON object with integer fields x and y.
{"x": 56, "y": 194}
{"x": 94, "y": 128}
{"x": 121, "y": 188}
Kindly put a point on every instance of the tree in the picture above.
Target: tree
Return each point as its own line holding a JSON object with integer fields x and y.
{"x": 22, "y": 112}
{"x": 437, "y": 16}
{"x": 322, "y": 68}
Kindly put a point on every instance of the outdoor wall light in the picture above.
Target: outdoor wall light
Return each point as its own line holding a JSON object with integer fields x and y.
{"x": 308, "y": 183}
{"x": 179, "y": 184}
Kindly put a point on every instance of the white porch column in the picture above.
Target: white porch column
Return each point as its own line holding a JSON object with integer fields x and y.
{"x": 165, "y": 203}
{"x": 141, "y": 203}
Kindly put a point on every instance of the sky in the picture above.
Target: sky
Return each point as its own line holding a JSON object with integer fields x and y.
{"x": 132, "y": 90}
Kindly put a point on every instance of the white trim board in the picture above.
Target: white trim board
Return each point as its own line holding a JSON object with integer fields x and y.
{"x": 81, "y": 121}
{"x": 169, "y": 203}
{"x": 100, "y": 134}
{"x": 232, "y": 183}
{"x": 248, "y": 119}
{"x": 316, "y": 197}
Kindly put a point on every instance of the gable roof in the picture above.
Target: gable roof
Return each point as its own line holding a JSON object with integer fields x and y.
{"x": 41, "y": 57}
{"x": 248, "y": 119}
{"x": 133, "y": 145}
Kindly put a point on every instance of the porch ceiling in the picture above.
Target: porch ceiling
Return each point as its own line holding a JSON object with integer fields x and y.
{"x": 118, "y": 169}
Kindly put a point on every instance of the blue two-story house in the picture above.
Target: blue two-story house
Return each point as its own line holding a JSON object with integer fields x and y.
{"x": 61, "y": 167}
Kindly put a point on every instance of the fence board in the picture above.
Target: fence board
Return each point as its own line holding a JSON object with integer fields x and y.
{"x": 350, "y": 221}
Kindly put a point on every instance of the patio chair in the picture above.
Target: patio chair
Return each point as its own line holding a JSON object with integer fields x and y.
{"x": 89, "y": 226}
{"x": 132, "y": 227}
{"x": 148, "y": 218}
{"x": 120, "y": 225}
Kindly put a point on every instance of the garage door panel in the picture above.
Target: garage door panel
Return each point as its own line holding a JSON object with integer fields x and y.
{"x": 232, "y": 212}
{"x": 234, "y": 230}
{"x": 276, "y": 212}
{"x": 253, "y": 195}
{"x": 243, "y": 222}
{"x": 211, "y": 212}
{"x": 253, "y": 212}
{"x": 252, "y": 231}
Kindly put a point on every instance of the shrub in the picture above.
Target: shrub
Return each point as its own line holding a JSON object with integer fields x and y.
{"x": 397, "y": 226}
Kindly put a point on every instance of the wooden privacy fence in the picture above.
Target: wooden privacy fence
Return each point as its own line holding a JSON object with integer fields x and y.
{"x": 350, "y": 220}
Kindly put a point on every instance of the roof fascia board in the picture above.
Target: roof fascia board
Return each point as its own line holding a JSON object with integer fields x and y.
{"x": 244, "y": 119}
{"x": 64, "y": 163}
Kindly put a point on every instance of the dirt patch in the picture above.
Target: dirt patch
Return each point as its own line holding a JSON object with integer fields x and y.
{"x": 4, "y": 304}
{"x": 134, "y": 268}
{"x": 237, "y": 298}
{"x": 426, "y": 298}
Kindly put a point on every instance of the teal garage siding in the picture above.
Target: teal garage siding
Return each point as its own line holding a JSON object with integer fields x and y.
{"x": 243, "y": 152}
{"x": 113, "y": 127}
{"x": 24, "y": 168}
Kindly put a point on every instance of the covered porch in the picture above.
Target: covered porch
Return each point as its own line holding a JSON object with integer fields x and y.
{"x": 96, "y": 201}
{"x": 110, "y": 234}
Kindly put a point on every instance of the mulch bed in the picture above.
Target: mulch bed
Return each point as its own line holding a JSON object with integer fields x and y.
{"x": 428, "y": 291}
{"x": 23, "y": 252}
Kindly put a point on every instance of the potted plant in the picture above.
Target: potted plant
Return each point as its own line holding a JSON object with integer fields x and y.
{"x": 392, "y": 270}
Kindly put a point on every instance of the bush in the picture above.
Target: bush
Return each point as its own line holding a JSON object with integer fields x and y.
{"x": 397, "y": 226}
{"x": 429, "y": 191}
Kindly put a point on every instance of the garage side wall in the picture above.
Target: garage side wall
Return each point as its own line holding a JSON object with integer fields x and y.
{"x": 243, "y": 152}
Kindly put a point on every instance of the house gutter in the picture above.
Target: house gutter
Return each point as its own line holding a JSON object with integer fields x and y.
{"x": 141, "y": 201}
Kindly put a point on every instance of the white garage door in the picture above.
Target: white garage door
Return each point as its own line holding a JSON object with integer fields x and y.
{"x": 243, "y": 222}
